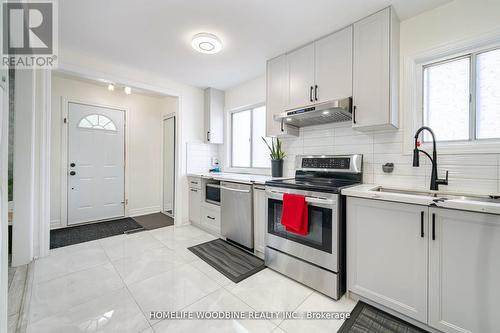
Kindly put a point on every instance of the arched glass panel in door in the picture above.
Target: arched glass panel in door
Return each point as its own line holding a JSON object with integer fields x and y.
{"x": 97, "y": 121}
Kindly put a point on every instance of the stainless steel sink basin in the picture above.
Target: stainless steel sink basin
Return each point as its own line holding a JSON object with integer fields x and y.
{"x": 440, "y": 195}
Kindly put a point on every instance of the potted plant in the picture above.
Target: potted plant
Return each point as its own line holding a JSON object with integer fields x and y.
{"x": 277, "y": 155}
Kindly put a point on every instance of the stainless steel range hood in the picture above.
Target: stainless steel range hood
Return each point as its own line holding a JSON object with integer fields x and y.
{"x": 328, "y": 112}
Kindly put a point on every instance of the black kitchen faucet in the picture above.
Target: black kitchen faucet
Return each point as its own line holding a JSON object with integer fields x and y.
{"x": 435, "y": 181}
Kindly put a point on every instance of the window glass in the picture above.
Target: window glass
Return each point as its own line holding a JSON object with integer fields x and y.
{"x": 241, "y": 139}
{"x": 95, "y": 121}
{"x": 488, "y": 95}
{"x": 446, "y": 99}
{"x": 260, "y": 152}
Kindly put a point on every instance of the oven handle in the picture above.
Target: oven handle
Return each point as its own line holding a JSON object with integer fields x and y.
{"x": 311, "y": 200}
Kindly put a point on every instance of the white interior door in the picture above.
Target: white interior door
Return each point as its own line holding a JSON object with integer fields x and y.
{"x": 96, "y": 151}
{"x": 169, "y": 166}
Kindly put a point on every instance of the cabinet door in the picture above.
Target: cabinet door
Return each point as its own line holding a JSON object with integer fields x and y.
{"x": 214, "y": 116}
{"x": 301, "y": 71}
{"x": 210, "y": 217}
{"x": 387, "y": 254}
{"x": 194, "y": 205}
{"x": 371, "y": 76}
{"x": 464, "y": 276}
{"x": 259, "y": 216}
{"x": 277, "y": 93}
{"x": 333, "y": 66}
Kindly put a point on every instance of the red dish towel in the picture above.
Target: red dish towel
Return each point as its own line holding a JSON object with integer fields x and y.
{"x": 294, "y": 215}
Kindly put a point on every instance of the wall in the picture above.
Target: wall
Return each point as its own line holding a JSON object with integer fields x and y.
{"x": 144, "y": 144}
{"x": 190, "y": 116}
{"x": 479, "y": 173}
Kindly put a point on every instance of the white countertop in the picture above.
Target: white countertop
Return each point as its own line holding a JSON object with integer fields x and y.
{"x": 368, "y": 191}
{"x": 236, "y": 177}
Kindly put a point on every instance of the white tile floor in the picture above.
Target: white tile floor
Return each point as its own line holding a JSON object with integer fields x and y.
{"x": 110, "y": 285}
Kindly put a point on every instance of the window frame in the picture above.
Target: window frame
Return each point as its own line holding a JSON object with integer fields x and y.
{"x": 250, "y": 108}
{"x": 412, "y": 92}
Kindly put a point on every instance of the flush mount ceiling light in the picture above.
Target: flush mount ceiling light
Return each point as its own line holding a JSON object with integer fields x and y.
{"x": 127, "y": 90}
{"x": 206, "y": 43}
{"x": 111, "y": 87}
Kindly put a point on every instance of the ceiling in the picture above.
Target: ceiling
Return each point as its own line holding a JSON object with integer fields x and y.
{"x": 155, "y": 35}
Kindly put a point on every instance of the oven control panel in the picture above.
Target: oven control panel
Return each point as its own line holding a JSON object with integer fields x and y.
{"x": 346, "y": 163}
{"x": 326, "y": 163}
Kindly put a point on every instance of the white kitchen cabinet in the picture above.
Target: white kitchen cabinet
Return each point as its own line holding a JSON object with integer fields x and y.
{"x": 259, "y": 220}
{"x": 376, "y": 71}
{"x": 387, "y": 248}
{"x": 210, "y": 217}
{"x": 333, "y": 66}
{"x": 277, "y": 97}
{"x": 214, "y": 116}
{"x": 301, "y": 77}
{"x": 464, "y": 272}
{"x": 195, "y": 198}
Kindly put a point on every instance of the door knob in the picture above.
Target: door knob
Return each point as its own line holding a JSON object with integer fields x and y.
{"x": 72, "y": 173}
{"x": 72, "y": 165}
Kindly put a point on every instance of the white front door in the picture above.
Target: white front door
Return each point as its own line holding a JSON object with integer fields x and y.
{"x": 96, "y": 151}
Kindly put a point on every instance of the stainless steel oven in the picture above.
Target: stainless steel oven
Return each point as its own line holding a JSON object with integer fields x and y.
{"x": 320, "y": 245}
{"x": 318, "y": 258}
{"x": 212, "y": 193}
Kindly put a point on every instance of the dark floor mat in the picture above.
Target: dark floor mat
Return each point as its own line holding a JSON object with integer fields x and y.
{"x": 368, "y": 319}
{"x": 228, "y": 259}
{"x": 154, "y": 221}
{"x": 90, "y": 232}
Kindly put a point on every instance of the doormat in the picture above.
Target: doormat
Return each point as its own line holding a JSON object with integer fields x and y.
{"x": 154, "y": 221}
{"x": 366, "y": 318}
{"x": 90, "y": 232}
{"x": 228, "y": 259}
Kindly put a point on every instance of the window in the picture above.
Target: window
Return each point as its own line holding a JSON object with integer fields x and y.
{"x": 461, "y": 97}
{"x": 248, "y": 150}
{"x": 97, "y": 121}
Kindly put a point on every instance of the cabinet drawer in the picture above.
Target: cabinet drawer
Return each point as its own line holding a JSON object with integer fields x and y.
{"x": 210, "y": 217}
{"x": 194, "y": 182}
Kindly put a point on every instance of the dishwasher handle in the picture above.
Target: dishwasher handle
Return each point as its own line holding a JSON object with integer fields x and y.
{"x": 234, "y": 189}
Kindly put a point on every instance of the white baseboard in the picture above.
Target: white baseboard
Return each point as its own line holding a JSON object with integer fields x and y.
{"x": 144, "y": 211}
{"x": 55, "y": 224}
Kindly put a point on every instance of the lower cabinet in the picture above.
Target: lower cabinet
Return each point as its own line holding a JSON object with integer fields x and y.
{"x": 387, "y": 254}
{"x": 195, "y": 205}
{"x": 210, "y": 217}
{"x": 259, "y": 220}
{"x": 464, "y": 267}
{"x": 418, "y": 260}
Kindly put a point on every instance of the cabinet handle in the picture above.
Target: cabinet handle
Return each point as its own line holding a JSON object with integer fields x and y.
{"x": 316, "y": 92}
{"x": 208, "y": 136}
{"x": 354, "y": 114}
{"x": 422, "y": 224}
{"x": 193, "y": 190}
{"x": 210, "y": 217}
{"x": 282, "y": 127}
{"x": 433, "y": 226}
{"x": 311, "y": 94}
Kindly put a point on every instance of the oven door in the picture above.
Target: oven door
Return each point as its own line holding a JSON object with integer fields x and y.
{"x": 212, "y": 194}
{"x": 319, "y": 246}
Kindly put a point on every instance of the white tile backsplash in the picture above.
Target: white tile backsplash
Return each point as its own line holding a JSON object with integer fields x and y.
{"x": 476, "y": 173}
{"x": 199, "y": 156}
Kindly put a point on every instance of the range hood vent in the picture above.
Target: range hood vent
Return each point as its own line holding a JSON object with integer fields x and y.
{"x": 329, "y": 112}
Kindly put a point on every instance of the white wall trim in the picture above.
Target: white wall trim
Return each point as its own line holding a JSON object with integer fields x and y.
{"x": 144, "y": 211}
{"x": 176, "y": 162}
{"x": 64, "y": 153}
{"x": 412, "y": 92}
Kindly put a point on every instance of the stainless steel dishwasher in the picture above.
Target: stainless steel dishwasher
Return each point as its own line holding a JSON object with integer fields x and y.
{"x": 237, "y": 213}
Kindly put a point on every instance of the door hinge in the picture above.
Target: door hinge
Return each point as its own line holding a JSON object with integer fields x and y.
{"x": 65, "y": 120}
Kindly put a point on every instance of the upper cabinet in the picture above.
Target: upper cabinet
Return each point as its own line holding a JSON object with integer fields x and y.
{"x": 361, "y": 61}
{"x": 376, "y": 71}
{"x": 277, "y": 97}
{"x": 214, "y": 116}
{"x": 301, "y": 76}
{"x": 333, "y": 66}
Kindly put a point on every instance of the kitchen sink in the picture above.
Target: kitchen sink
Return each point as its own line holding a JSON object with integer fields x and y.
{"x": 440, "y": 195}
